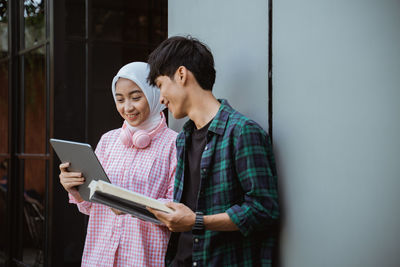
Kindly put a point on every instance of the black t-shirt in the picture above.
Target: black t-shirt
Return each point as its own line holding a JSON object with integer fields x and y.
{"x": 194, "y": 150}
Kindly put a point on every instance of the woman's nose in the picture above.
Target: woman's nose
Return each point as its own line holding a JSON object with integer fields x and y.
{"x": 129, "y": 105}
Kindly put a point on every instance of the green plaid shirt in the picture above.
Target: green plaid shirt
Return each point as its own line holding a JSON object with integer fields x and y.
{"x": 238, "y": 177}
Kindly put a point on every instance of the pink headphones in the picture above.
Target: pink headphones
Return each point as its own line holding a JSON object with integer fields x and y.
{"x": 140, "y": 138}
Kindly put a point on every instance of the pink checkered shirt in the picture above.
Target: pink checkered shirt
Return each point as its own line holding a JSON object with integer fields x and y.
{"x": 122, "y": 240}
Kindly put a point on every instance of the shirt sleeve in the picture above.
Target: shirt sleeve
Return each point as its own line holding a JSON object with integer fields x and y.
{"x": 255, "y": 169}
{"x": 84, "y": 206}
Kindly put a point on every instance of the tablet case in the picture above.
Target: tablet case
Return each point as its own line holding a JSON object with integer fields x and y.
{"x": 82, "y": 159}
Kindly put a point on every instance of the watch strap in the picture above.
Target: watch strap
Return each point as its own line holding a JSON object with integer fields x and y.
{"x": 199, "y": 222}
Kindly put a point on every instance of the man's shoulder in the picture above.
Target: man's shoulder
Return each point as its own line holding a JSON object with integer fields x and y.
{"x": 234, "y": 118}
{"x": 239, "y": 124}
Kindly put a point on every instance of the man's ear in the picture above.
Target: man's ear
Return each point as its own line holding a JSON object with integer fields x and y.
{"x": 181, "y": 75}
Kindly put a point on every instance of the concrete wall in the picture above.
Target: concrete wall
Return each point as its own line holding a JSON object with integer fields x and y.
{"x": 336, "y": 106}
{"x": 238, "y": 41}
{"x": 336, "y": 84}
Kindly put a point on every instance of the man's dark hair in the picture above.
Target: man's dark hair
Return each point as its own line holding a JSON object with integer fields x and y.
{"x": 183, "y": 51}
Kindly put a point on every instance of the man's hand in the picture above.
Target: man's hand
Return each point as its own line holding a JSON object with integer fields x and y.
{"x": 181, "y": 220}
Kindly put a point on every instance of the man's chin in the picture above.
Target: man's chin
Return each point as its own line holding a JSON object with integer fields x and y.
{"x": 178, "y": 116}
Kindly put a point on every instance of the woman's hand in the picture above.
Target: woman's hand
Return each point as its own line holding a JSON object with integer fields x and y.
{"x": 117, "y": 212}
{"x": 70, "y": 180}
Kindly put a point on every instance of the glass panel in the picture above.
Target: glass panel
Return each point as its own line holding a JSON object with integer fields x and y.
{"x": 3, "y": 208}
{"x": 34, "y": 196}
{"x": 75, "y": 18}
{"x": 3, "y": 28}
{"x": 4, "y": 107}
{"x": 34, "y": 15}
{"x": 122, "y": 20}
{"x": 35, "y": 101}
{"x": 160, "y": 22}
{"x": 71, "y": 125}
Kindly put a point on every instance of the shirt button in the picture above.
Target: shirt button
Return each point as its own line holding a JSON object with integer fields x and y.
{"x": 196, "y": 240}
{"x": 194, "y": 263}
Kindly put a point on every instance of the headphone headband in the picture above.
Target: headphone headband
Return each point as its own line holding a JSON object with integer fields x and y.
{"x": 140, "y": 138}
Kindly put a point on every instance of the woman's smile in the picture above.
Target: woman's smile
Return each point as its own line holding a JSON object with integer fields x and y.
{"x": 132, "y": 117}
{"x": 131, "y": 102}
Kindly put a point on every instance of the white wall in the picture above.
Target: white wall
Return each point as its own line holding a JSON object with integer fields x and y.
{"x": 237, "y": 33}
{"x": 336, "y": 126}
{"x": 336, "y": 84}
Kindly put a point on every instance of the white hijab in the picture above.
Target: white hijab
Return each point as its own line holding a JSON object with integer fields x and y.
{"x": 138, "y": 72}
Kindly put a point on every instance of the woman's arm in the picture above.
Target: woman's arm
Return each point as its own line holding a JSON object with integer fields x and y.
{"x": 70, "y": 181}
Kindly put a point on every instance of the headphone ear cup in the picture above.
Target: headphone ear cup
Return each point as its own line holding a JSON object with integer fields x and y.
{"x": 141, "y": 139}
{"x": 125, "y": 136}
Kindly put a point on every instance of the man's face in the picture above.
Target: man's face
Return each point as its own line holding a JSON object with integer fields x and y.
{"x": 172, "y": 95}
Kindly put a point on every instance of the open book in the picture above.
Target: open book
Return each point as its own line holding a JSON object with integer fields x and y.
{"x": 125, "y": 200}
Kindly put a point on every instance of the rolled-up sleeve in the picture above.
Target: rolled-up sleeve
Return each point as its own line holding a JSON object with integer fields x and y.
{"x": 255, "y": 168}
{"x": 83, "y": 206}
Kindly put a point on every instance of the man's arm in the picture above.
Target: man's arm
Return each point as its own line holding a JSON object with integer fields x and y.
{"x": 219, "y": 222}
{"x": 183, "y": 218}
{"x": 255, "y": 170}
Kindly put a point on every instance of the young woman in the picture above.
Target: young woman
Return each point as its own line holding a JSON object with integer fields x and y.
{"x": 141, "y": 157}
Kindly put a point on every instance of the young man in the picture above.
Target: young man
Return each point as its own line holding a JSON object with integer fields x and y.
{"x": 225, "y": 178}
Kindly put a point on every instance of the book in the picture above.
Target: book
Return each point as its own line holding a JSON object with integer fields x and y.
{"x": 124, "y": 200}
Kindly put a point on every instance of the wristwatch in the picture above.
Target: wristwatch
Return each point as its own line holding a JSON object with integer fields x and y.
{"x": 199, "y": 222}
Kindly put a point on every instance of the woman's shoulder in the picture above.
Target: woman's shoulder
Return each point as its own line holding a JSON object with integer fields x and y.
{"x": 110, "y": 136}
{"x": 166, "y": 137}
{"x": 168, "y": 131}
{"x": 111, "y": 133}
{"x": 170, "y": 135}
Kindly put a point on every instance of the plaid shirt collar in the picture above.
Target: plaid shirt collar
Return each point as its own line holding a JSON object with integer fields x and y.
{"x": 219, "y": 122}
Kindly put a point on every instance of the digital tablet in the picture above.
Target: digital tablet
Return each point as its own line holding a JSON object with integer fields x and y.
{"x": 82, "y": 159}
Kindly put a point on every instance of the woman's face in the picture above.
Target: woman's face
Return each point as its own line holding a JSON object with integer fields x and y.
{"x": 131, "y": 102}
